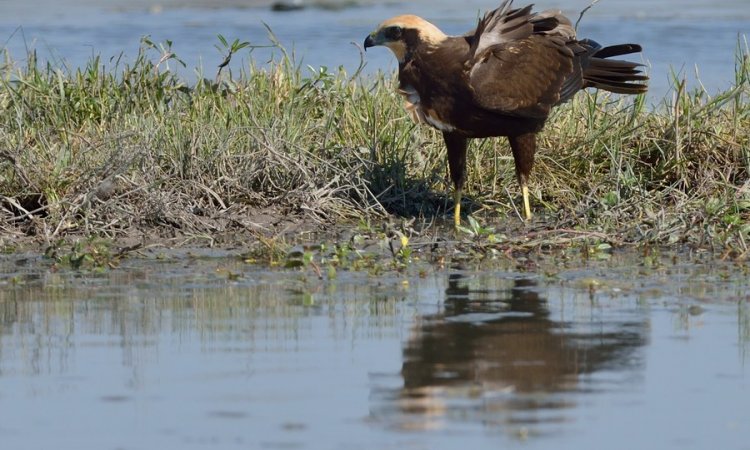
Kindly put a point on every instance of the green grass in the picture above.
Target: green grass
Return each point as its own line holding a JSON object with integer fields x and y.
{"x": 129, "y": 148}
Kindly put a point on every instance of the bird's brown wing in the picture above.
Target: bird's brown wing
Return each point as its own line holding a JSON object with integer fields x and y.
{"x": 520, "y": 60}
{"x": 501, "y": 25}
{"x": 521, "y": 77}
{"x": 506, "y": 24}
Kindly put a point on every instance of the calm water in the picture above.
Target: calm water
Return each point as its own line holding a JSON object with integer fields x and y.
{"x": 677, "y": 35}
{"x": 169, "y": 353}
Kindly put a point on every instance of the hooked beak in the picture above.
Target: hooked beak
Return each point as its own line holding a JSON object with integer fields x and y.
{"x": 371, "y": 41}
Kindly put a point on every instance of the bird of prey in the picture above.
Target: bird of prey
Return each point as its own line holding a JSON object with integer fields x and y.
{"x": 501, "y": 79}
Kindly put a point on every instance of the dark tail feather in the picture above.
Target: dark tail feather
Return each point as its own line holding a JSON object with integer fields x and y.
{"x": 617, "y": 50}
{"x": 614, "y": 75}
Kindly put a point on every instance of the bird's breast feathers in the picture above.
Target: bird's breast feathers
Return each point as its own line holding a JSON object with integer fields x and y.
{"x": 421, "y": 114}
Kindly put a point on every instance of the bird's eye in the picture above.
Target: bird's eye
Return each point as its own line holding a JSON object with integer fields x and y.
{"x": 393, "y": 33}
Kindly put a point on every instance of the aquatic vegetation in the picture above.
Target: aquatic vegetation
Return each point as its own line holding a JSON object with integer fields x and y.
{"x": 263, "y": 154}
{"x": 477, "y": 231}
{"x": 90, "y": 254}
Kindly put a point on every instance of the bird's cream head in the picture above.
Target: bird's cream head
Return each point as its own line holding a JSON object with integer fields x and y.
{"x": 402, "y": 34}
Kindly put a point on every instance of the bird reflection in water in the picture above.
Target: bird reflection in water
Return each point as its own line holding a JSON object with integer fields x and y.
{"x": 498, "y": 358}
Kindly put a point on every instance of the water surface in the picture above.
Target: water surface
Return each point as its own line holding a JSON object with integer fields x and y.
{"x": 191, "y": 351}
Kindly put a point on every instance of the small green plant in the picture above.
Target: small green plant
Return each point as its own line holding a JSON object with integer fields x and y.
{"x": 405, "y": 251}
{"x": 228, "y": 50}
{"x": 91, "y": 254}
{"x": 165, "y": 52}
{"x": 302, "y": 256}
{"x": 598, "y": 250}
{"x": 610, "y": 199}
{"x": 477, "y": 231}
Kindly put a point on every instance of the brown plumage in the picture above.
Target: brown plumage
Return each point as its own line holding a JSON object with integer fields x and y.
{"x": 501, "y": 79}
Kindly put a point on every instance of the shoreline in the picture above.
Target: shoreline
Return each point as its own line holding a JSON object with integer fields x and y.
{"x": 272, "y": 154}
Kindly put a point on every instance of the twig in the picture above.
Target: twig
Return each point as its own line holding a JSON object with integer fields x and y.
{"x": 580, "y": 16}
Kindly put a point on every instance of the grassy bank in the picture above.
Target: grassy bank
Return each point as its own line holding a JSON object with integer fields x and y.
{"x": 122, "y": 149}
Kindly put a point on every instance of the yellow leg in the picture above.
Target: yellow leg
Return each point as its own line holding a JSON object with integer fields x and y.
{"x": 457, "y": 207}
{"x": 526, "y": 206}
